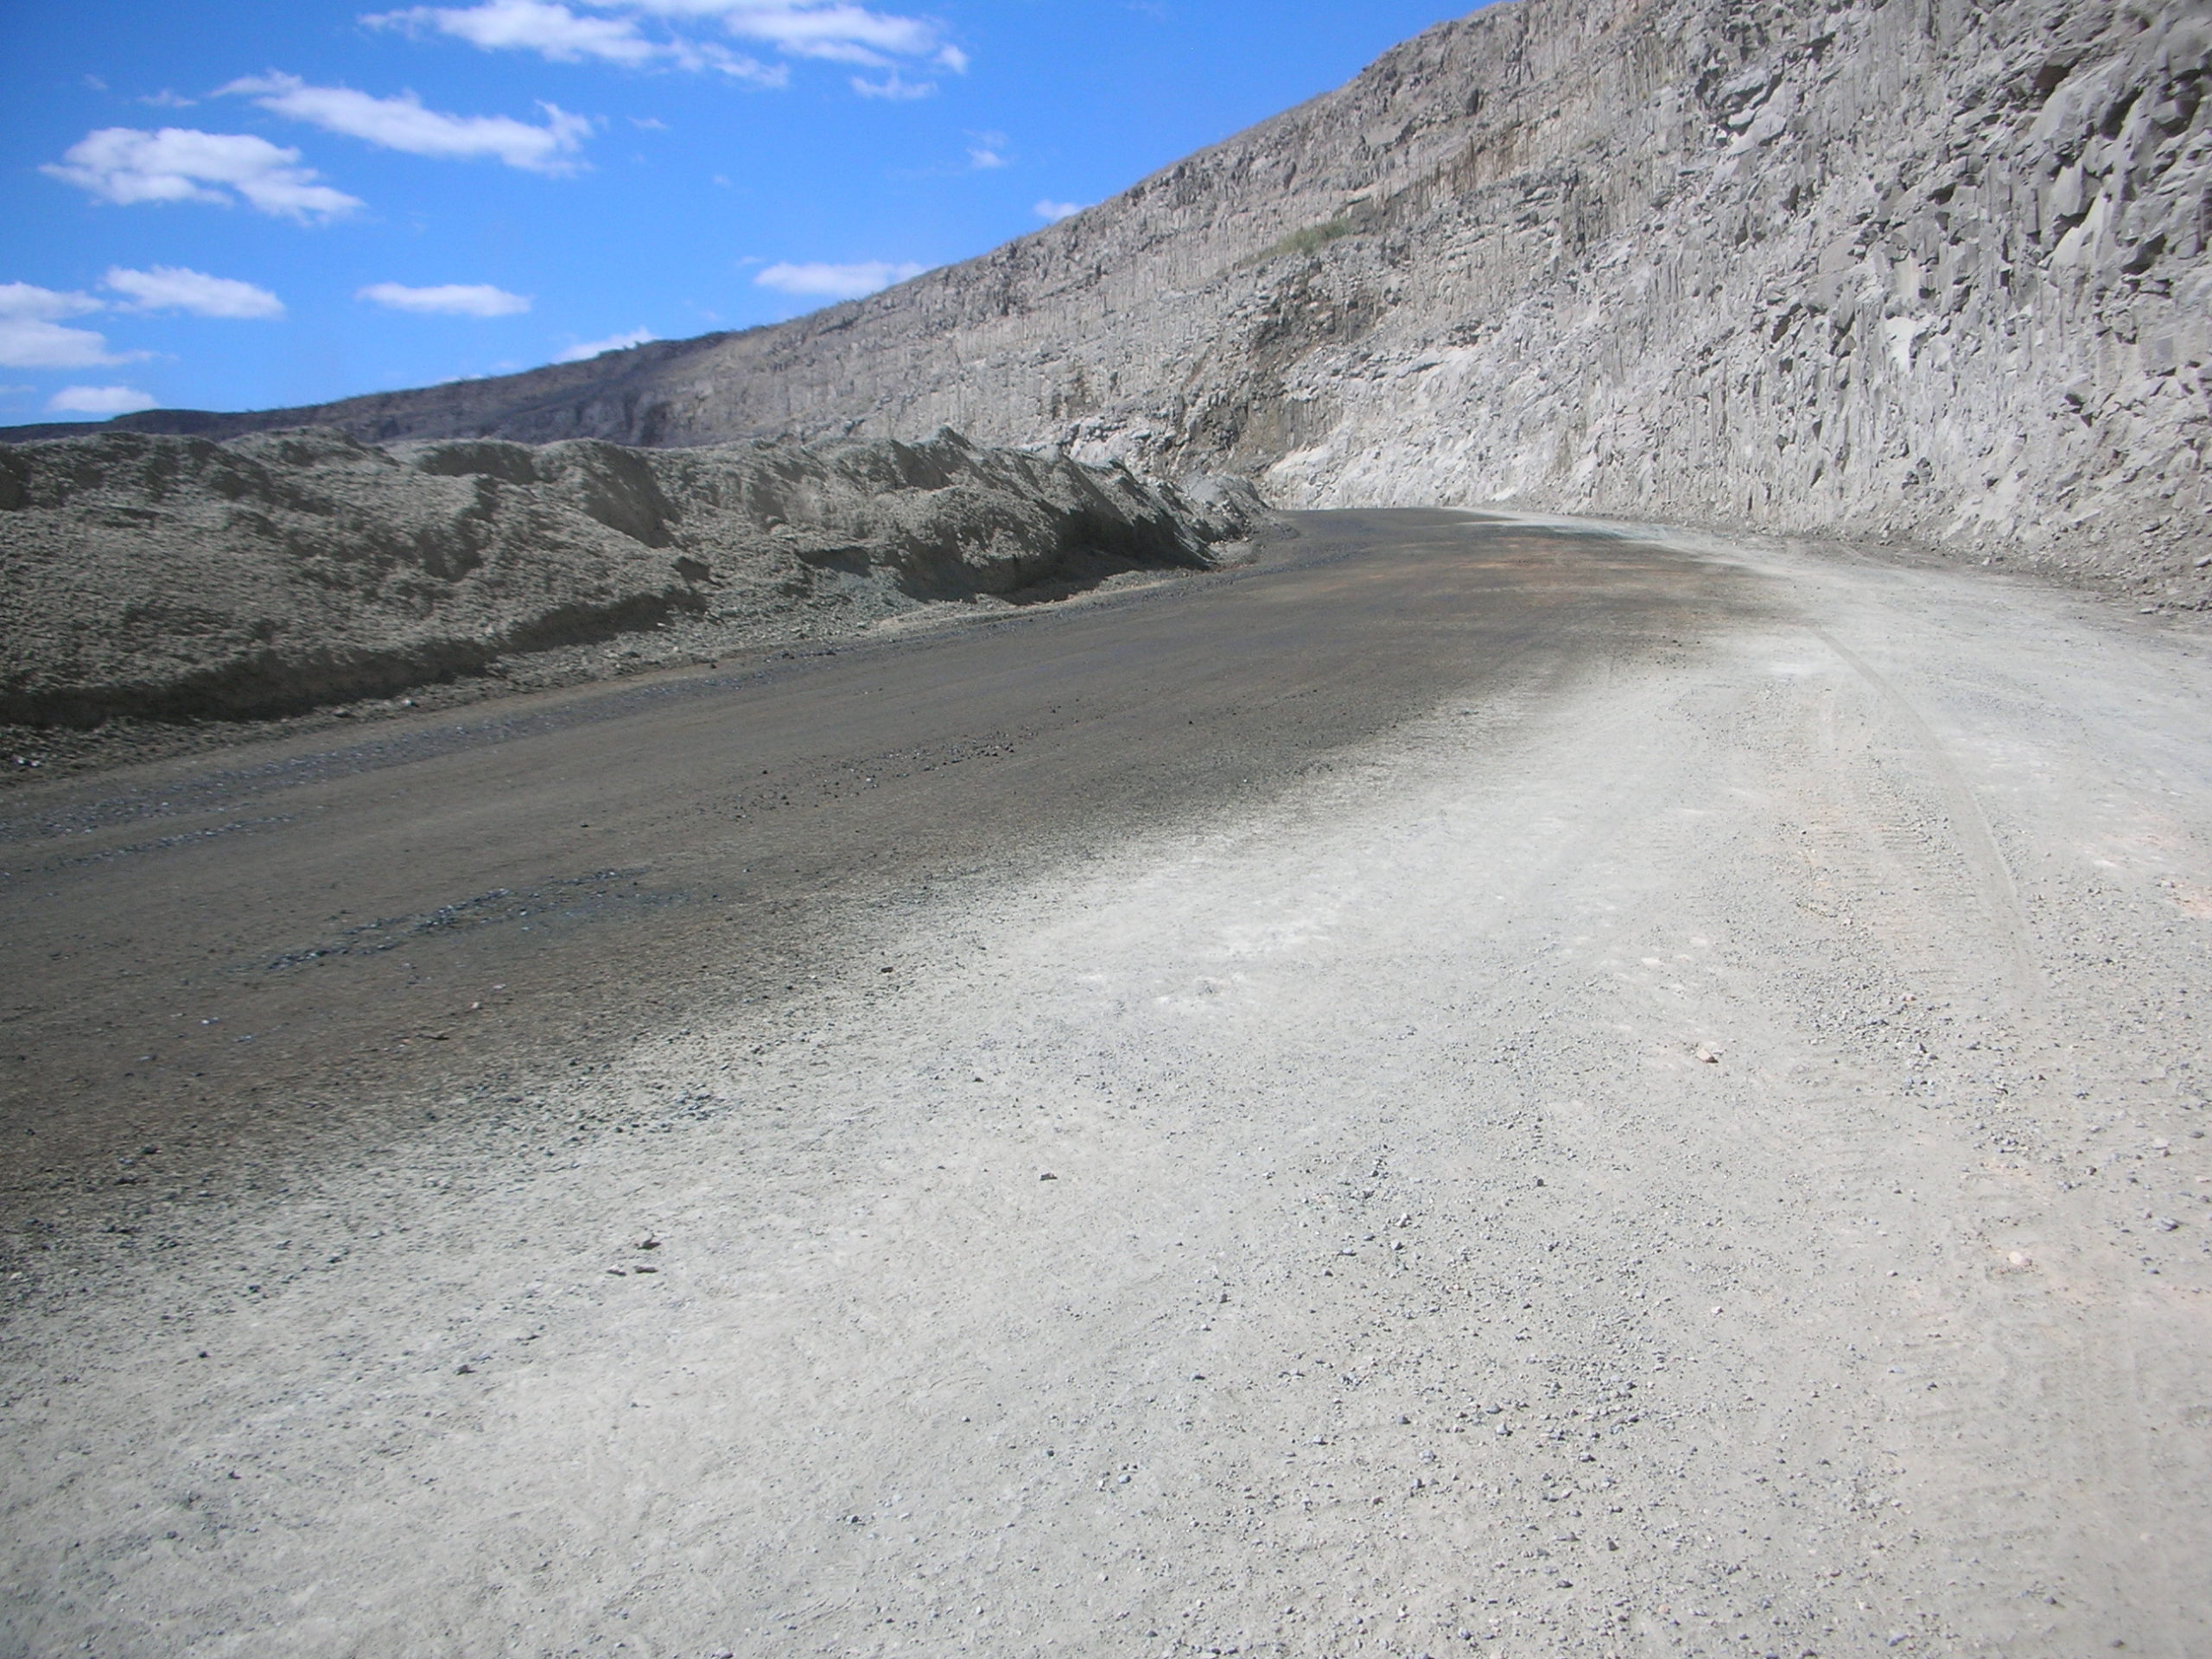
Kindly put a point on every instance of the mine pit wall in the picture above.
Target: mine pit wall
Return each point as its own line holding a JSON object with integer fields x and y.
{"x": 1913, "y": 269}
{"x": 1917, "y": 270}
{"x": 1840, "y": 291}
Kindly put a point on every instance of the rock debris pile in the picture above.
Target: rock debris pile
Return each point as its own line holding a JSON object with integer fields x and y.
{"x": 173, "y": 578}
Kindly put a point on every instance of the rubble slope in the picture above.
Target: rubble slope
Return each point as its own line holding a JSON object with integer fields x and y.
{"x": 173, "y": 578}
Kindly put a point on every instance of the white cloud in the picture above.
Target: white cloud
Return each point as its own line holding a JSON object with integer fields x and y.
{"x": 820, "y": 28}
{"x": 448, "y": 299}
{"x": 1056, "y": 210}
{"x": 30, "y": 338}
{"x": 988, "y": 151}
{"x": 552, "y": 31}
{"x": 28, "y": 299}
{"x": 768, "y": 76}
{"x": 836, "y": 30}
{"x": 592, "y": 348}
{"x": 173, "y": 288}
{"x": 29, "y": 343}
{"x": 403, "y": 123}
{"x": 166, "y": 100}
{"x": 892, "y": 85}
{"x": 123, "y": 165}
{"x": 100, "y": 400}
{"x": 836, "y": 282}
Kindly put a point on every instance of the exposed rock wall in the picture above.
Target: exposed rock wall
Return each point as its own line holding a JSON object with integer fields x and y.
{"x": 1924, "y": 268}
{"x": 172, "y": 577}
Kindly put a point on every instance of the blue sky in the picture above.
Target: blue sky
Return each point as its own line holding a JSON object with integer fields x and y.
{"x": 284, "y": 201}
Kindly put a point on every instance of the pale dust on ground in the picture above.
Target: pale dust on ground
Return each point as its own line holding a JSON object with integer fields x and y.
{"x": 1703, "y": 1161}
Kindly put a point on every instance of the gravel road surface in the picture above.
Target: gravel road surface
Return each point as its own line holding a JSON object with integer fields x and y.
{"x": 1481, "y": 1086}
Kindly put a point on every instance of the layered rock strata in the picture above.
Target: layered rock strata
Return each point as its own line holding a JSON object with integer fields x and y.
{"x": 1933, "y": 269}
{"x": 176, "y": 578}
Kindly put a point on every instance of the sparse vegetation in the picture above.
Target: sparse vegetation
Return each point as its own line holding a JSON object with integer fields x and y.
{"x": 1310, "y": 238}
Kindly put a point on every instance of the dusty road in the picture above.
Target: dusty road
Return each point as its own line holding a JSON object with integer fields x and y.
{"x": 1473, "y": 1088}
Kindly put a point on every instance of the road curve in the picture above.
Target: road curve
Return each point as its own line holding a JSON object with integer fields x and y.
{"x": 194, "y": 943}
{"x": 1482, "y": 1085}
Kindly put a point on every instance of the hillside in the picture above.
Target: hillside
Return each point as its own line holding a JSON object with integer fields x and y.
{"x": 1884, "y": 268}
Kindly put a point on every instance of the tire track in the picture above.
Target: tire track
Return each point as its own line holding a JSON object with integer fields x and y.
{"x": 1977, "y": 842}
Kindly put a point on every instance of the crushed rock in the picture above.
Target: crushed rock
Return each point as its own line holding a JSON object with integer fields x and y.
{"x": 165, "y": 579}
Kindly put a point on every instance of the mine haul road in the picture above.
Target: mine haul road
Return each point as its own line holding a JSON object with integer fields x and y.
{"x": 1477, "y": 1086}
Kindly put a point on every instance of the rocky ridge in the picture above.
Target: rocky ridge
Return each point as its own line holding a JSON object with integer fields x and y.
{"x": 1924, "y": 268}
{"x": 169, "y": 578}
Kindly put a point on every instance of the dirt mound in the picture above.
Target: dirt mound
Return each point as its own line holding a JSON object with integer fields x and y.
{"x": 173, "y": 578}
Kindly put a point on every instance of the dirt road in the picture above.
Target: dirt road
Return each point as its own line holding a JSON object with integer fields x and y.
{"x": 1476, "y": 1088}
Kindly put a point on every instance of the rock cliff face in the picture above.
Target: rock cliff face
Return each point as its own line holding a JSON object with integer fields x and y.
{"x": 171, "y": 578}
{"x": 1932, "y": 269}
